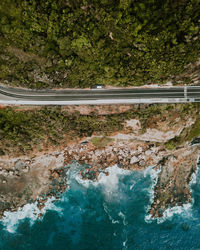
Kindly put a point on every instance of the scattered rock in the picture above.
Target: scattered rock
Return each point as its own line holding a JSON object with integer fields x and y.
{"x": 134, "y": 160}
{"x": 41, "y": 206}
{"x": 19, "y": 165}
{"x": 55, "y": 174}
{"x": 40, "y": 215}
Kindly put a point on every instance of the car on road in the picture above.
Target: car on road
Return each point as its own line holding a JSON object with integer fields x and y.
{"x": 98, "y": 86}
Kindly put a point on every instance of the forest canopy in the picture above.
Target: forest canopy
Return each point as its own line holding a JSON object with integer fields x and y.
{"x": 79, "y": 43}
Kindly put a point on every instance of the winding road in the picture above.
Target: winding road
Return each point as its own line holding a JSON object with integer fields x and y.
{"x": 19, "y": 96}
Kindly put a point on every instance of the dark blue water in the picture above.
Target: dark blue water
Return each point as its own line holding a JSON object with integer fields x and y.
{"x": 108, "y": 214}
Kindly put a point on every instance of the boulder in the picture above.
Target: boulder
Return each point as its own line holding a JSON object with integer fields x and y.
{"x": 134, "y": 159}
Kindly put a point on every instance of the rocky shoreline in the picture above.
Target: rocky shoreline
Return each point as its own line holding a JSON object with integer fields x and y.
{"x": 26, "y": 180}
{"x": 141, "y": 143}
{"x": 173, "y": 184}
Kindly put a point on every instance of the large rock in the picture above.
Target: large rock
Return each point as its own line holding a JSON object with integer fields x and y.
{"x": 134, "y": 160}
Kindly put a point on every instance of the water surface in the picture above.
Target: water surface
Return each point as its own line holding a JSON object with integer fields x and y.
{"x": 108, "y": 214}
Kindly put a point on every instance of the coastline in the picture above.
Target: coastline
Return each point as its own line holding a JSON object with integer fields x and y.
{"x": 141, "y": 136}
{"x": 26, "y": 180}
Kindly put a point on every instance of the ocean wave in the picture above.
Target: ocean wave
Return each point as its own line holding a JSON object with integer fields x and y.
{"x": 185, "y": 210}
{"x": 154, "y": 178}
{"x": 109, "y": 181}
{"x": 123, "y": 218}
{"x": 109, "y": 216}
{"x": 11, "y": 220}
{"x": 194, "y": 175}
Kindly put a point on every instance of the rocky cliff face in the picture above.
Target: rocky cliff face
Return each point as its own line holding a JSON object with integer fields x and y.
{"x": 172, "y": 188}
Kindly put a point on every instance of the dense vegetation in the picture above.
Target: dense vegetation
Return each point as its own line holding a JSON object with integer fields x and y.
{"x": 22, "y": 131}
{"x": 76, "y": 43}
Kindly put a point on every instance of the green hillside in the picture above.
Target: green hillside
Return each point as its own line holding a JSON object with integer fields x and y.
{"x": 77, "y": 43}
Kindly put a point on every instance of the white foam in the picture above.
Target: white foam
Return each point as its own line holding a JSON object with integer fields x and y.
{"x": 185, "y": 210}
{"x": 109, "y": 216}
{"x": 123, "y": 218}
{"x": 154, "y": 177}
{"x": 109, "y": 181}
{"x": 132, "y": 185}
{"x": 74, "y": 174}
{"x": 84, "y": 182}
{"x": 193, "y": 179}
{"x": 124, "y": 243}
{"x": 11, "y": 220}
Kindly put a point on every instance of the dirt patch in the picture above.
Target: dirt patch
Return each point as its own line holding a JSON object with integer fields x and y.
{"x": 101, "y": 142}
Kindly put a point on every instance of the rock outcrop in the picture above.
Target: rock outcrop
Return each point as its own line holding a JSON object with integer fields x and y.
{"x": 24, "y": 180}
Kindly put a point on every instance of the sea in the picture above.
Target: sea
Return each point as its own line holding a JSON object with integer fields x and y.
{"x": 108, "y": 213}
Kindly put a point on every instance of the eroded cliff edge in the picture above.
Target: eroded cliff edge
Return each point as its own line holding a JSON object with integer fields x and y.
{"x": 162, "y": 140}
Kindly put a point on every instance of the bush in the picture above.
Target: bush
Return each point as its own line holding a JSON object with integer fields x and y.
{"x": 122, "y": 42}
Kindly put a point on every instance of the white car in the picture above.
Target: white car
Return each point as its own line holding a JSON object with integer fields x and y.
{"x": 97, "y": 86}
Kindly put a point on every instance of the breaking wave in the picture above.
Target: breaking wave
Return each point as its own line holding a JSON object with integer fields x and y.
{"x": 185, "y": 210}
{"x": 31, "y": 212}
{"x": 112, "y": 207}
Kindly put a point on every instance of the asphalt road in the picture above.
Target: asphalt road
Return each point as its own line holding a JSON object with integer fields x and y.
{"x": 191, "y": 94}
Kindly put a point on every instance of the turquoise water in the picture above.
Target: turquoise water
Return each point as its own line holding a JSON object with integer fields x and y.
{"x": 108, "y": 214}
